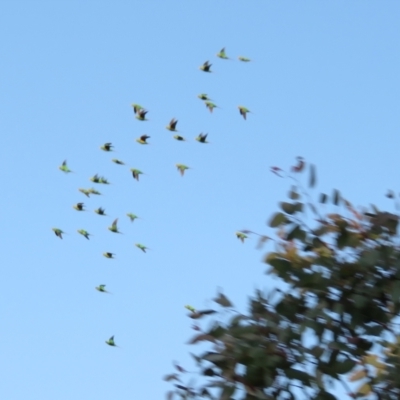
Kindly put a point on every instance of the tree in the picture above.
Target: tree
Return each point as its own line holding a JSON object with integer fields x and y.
{"x": 334, "y": 323}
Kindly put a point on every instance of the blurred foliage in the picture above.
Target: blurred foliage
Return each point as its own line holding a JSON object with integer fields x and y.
{"x": 335, "y": 322}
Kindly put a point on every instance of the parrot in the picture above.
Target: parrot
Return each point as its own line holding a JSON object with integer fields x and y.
{"x": 142, "y": 139}
{"x": 84, "y": 233}
{"x": 100, "y": 211}
{"x": 64, "y": 167}
{"x": 107, "y": 147}
{"x": 136, "y": 173}
{"x": 131, "y": 216}
{"x": 79, "y": 206}
{"x": 116, "y": 161}
{"x": 103, "y": 180}
{"x": 190, "y": 308}
{"x": 244, "y": 59}
{"x": 101, "y": 288}
{"x": 108, "y": 255}
{"x": 94, "y": 191}
{"x": 86, "y": 192}
{"x": 206, "y": 67}
{"x": 113, "y": 227}
{"x": 243, "y": 111}
{"x": 141, "y": 114}
{"x": 141, "y": 247}
{"x": 182, "y": 168}
{"x": 111, "y": 342}
{"x": 210, "y": 106}
{"x": 203, "y": 96}
{"x": 180, "y": 138}
{"x": 241, "y": 236}
{"x": 202, "y": 138}
{"x": 95, "y": 178}
{"x": 172, "y": 125}
{"x": 222, "y": 54}
{"x": 136, "y": 108}
{"x": 58, "y": 232}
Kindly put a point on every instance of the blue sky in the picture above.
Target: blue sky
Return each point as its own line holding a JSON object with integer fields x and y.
{"x": 324, "y": 84}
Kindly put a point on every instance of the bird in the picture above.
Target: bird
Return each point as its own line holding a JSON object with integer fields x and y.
{"x": 113, "y": 227}
{"x": 203, "y": 96}
{"x": 182, "y": 168}
{"x": 244, "y": 59}
{"x": 190, "y": 308}
{"x": 108, "y": 255}
{"x": 111, "y": 342}
{"x": 101, "y": 288}
{"x": 222, "y": 54}
{"x": 243, "y": 111}
{"x": 206, "y": 67}
{"x": 86, "y": 192}
{"x": 131, "y": 216}
{"x": 202, "y": 138}
{"x": 64, "y": 167}
{"x": 142, "y": 139}
{"x": 180, "y": 138}
{"x": 103, "y": 180}
{"x": 116, "y": 161}
{"x": 95, "y": 178}
{"x": 94, "y": 191}
{"x": 210, "y": 106}
{"x": 100, "y": 211}
{"x": 136, "y": 108}
{"x": 107, "y": 147}
{"x": 58, "y": 232}
{"x": 84, "y": 233}
{"x": 141, "y": 114}
{"x": 141, "y": 247}
{"x": 79, "y": 206}
{"x": 172, "y": 125}
{"x": 241, "y": 236}
{"x": 136, "y": 173}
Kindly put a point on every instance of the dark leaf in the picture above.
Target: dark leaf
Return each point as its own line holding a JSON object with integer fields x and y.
{"x": 278, "y": 219}
{"x": 343, "y": 367}
{"x": 336, "y": 197}
{"x": 313, "y": 178}
{"x": 201, "y": 338}
{"x": 223, "y": 301}
{"x": 323, "y": 198}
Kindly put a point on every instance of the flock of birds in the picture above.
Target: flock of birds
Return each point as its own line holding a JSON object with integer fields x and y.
{"x": 140, "y": 114}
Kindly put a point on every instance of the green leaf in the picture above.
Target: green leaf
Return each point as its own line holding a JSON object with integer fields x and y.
{"x": 281, "y": 265}
{"x": 227, "y": 392}
{"x": 297, "y": 233}
{"x": 299, "y": 375}
{"x": 313, "y": 178}
{"x": 223, "y": 301}
{"x": 360, "y": 301}
{"x": 278, "y": 219}
{"x": 294, "y": 195}
{"x": 289, "y": 208}
{"x": 343, "y": 367}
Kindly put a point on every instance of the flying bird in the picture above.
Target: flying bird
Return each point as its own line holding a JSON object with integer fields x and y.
{"x": 103, "y": 180}
{"x": 203, "y": 96}
{"x": 243, "y": 111}
{"x": 58, "y": 232}
{"x": 241, "y": 236}
{"x": 222, "y": 54}
{"x": 141, "y": 247}
{"x": 107, "y": 147}
{"x": 210, "y": 106}
{"x": 108, "y": 255}
{"x": 79, "y": 206}
{"x": 190, "y": 308}
{"x": 136, "y": 108}
{"x": 94, "y": 191}
{"x": 95, "y": 178}
{"x": 142, "y": 139}
{"x": 172, "y": 125}
{"x": 180, "y": 138}
{"x": 131, "y": 216}
{"x": 111, "y": 342}
{"x": 244, "y": 59}
{"x": 113, "y": 227}
{"x": 64, "y": 167}
{"x": 206, "y": 67}
{"x": 136, "y": 173}
{"x": 141, "y": 114}
{"x": 84, "y": 233}
{"x": 202, "y": 138}
{"x": 116, "y": 161}
{"x": 86, "y": 192}
{"x": 100, "y": 211}
{"x": 101, "y": 288}
{"x": 182, "y": 168}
